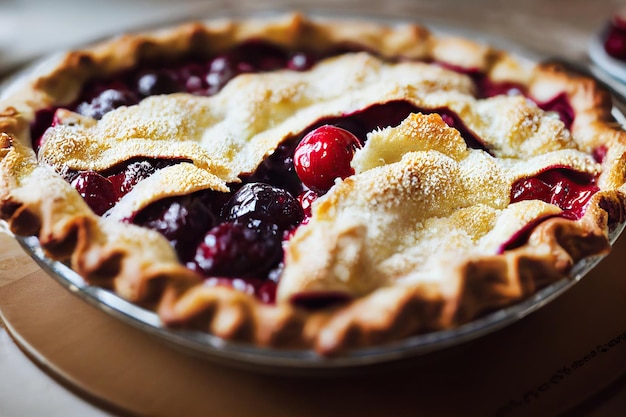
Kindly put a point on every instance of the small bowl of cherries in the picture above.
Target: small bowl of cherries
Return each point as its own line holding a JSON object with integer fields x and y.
{"x": 607, "y": 51}
{"x": 614, "y": 39}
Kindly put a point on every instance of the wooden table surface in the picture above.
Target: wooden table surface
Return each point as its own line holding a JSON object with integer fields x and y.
{"x": 30, "y": 28}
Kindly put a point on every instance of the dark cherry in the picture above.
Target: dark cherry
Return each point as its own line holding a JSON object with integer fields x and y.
{"x": 378, "y": 116}
{"x": 97, "y": 191}
{"x": 530, "y": 189}
{"x": 123, "y": 178}
{"x": 599, "y": 153}
{"x": 323, "y": 155}
{"x": 488, "y": 88}
{"x": 133, "y": 173}
{"x": 615, "y": 44}
{"x": 191, "y": 77}
{"x": 157, "y": 82}
{"x": 251, "y": 56}
{"x": 43, "y": 120}
{"x": 221, "y": 70}
{"x": 276, "y": 272}
{"x": 259, "y": 202}
{"x": 258, "y": 56}
{"x": 182, "y": 220}
{"x": 237, "y": 250}
{"x": 105, "y": 102}
{"x": 563, "y": 187}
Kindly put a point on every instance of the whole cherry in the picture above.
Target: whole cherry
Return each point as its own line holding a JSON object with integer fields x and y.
{"x": 323, "y": 155}
{"x": 97, "y": 191}
{"x": 105, "y": 102}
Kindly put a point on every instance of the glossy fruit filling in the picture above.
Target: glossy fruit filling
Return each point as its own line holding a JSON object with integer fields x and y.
{"x": 101, "y": 190}
{"x": 237, "y": 238}
{"x": 567, "y": 189}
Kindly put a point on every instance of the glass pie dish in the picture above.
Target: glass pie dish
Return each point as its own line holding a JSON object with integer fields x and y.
{"x": 212, "y": 346}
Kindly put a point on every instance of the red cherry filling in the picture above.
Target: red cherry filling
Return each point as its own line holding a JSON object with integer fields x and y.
{"x": 239, "y": 234}
{"x": 106, "y": 101}
{"x": 236, "y": 238}
{"x": 101, "y": 190}
{"x": 486, "y": 87}
{"x": 560, "y": 104}
{"x": 182, "y": 220}
{"x": 152, "y": 83}
{"x": 569, "y": 190}
{"x": 43, "y": 120}
{"x": 125, "y": 180}
{"x": 489, "y": 88}
{"x": 521, "y": 236}
{"x": 277, "y": 169}
{"x": 323, "y": 155}
{"x": 97, "y": 191}
{"x": 256, "y": 203}
{"x": 563, "y": 187}
{"x": 237, "y": 250}
{"x": 306, "y": 200}
{"x": 599, "y": 154}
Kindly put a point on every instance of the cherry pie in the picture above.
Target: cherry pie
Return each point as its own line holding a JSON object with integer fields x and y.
{"x": 311, "y": 183}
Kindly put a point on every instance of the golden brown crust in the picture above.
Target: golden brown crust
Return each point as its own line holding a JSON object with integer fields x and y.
{"x": 140, "y": 265}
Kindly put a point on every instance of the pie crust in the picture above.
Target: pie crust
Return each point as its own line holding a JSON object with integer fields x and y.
{"x": 416, "y": 238}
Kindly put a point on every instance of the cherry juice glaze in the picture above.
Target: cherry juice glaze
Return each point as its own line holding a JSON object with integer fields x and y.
{"x": 561, "y": 186}
{"x": 203, "y": 224}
